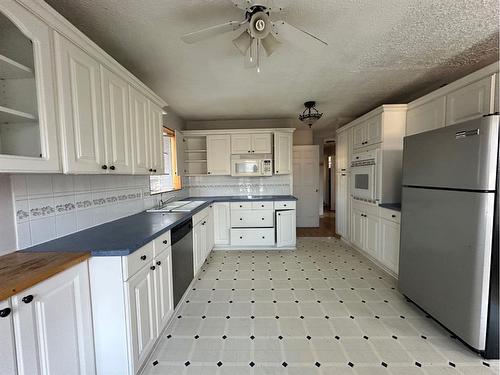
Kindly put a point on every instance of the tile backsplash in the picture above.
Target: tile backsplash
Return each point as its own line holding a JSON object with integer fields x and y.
{"x": 226, "y": 185}
{"x": 52, "y": 206}
{"x": 49, "y": 206}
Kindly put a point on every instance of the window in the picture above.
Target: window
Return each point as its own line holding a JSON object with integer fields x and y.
{"x": 170, "y": 180}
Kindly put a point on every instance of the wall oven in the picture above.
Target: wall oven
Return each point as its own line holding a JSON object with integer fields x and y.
{"x": 364, "y": 176}
{"x": 254, "y": 166}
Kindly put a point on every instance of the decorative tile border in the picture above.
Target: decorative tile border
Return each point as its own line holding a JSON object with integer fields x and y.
{"x": 22, "y": 214}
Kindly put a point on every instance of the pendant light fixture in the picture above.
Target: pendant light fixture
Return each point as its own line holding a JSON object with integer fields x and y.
{"x": 310, "y": 114}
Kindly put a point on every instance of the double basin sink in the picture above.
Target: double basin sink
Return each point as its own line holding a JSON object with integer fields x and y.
{"x": 178, "y": 206}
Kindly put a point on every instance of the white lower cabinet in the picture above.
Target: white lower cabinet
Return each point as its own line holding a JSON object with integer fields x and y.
{"x": 222, "y": 223}
{"x": 286, "y": 228}
{"x": 252, "y": 237}
{"x": 53, "y": 325}
{"x": 202, "y": 243}
{"x": 365, "y": 228}
{"x": 132, "y": 302}
{"x": 7, "y": 350}
{"x": 141, "y": 308}
{"x": 341, "y": 204}
{"x": 389, "y": 244}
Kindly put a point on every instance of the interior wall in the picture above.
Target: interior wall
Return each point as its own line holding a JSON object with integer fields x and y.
{"x": 7, "y": 221}
{"x": 242, "y": 124}
{"x": 172, "y": 121}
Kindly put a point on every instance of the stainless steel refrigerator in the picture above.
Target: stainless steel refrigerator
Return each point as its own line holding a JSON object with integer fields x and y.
{"x": 449, "y": 229}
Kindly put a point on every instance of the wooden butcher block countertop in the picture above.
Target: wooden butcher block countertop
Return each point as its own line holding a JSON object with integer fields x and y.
{"x": 20, "y": 271}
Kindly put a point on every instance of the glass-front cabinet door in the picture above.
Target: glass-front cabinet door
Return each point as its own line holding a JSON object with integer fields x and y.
{"x": 28, "y": 131}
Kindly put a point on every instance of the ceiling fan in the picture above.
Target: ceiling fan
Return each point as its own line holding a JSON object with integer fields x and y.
{"x": 259, "y": 31}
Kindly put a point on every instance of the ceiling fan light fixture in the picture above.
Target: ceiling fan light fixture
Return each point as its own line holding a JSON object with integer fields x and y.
{"x": 270, "y": 44}
{"x": 310, "y": 114}
{"x": 243, "y": 42}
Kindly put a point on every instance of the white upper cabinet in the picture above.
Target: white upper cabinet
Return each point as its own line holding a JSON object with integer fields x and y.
{"x": 53, "y": 326}
{"x": 219, "y": 155}
{"x": 81, "y": 109}
{"x": 7, "y": 351}
{"x": 283, "y": 142}
{"x": 260, "y": 143}
{"x": 368, "y": 132}
{"x": 28, "y": 125}
{"x": 471, "y": 101}
{"x": 427, "y": 116}
{"x": 116, "y": 117}
{"x": 241, "y": 143}
{"x": 155, "y": 139}
{"x": 139, "y": 117}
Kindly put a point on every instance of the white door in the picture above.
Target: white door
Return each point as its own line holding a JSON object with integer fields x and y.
{"x": 306, "y": 184}
{"x": 141, "y": 305}
{"x": 139, "y": 118}
{"x": 222, "y": 223}
{"x": 371, "y": 243}
{"x": 428, "y": 116}
{"x": 81, "y": 109}
{"x": 7, "y": 349}
{"x": 34, "y": 137}
{"x": 241, "y": 143}
{"x": 115, "y": 101}
{"x": 283, "y": 143}
{"x": 285, "y": 228}
{"x": 357, "y": 228}
{"x": 163, "y": 289}
{"x": 219, "y": 155}
{"x": 53, "y": 325}
{"x": 262, "y": 143}
{"x": 156, "y": 138}
{"x": 471, "y": 101}
{"x": 390, "y": 237}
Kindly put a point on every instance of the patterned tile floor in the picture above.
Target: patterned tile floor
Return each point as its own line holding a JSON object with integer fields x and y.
{"x": 323, "y": 309}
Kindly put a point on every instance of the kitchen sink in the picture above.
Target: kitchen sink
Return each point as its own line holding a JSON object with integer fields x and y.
{"x": 178, "y": 206}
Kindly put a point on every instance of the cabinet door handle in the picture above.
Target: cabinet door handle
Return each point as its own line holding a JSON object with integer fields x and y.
{"x": 158, "y": 263}
{"x": 393, "y": 215}
{"x": 104, "y": 167}
{"x": 151, "y": 169}
{"x": 262, "y": 218}
{"x": 5, "y": 312}
{"x": 165, "y": 242}
{"x": 154, "y": 170}
{"x": 249, "y": 151}
{"x": 263, "y": 237}
{"x": 241, "y": 237}
{"x": 143, "y": 257}
{"x": 112, "y": 167}
{"x": 27, "y": 299}
{"x": 152, "y": 268}
{"x": 241, "y": 219}
{"x": 279, "y": 214}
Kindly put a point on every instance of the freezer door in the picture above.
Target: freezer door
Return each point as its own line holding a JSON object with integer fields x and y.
{"x": 445, "y": 256}
{"x": 461, "y": 156}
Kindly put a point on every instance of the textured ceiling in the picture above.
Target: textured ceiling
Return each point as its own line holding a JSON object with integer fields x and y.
{"x": 384, "y": 51}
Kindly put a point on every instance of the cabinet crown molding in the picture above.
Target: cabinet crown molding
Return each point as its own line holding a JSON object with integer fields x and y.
{"x": 237, "y": 131}
{"x": 375, "y": 112}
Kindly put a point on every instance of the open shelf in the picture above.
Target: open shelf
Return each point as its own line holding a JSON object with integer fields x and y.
{"x": 195, "y": 150}
{"x": 10, "y": 69}
{"x": 196, "y": 161}
{"x": 11, "y": 116}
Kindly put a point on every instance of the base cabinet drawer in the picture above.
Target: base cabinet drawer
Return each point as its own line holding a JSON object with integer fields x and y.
{"x": 255, "y": 218}
{"x": 390, "y": 215}
{"x": 252, "y": 237}
{"x": 137, "y": 260}
{"x": 285, "y": 205}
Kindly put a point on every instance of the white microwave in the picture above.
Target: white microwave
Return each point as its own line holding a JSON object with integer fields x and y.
{"x": 364, "y": 176}
{"x": 251, "y": 167}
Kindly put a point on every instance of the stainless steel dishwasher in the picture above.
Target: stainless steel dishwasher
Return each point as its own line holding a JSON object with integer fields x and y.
{"x": 182, "y": 258}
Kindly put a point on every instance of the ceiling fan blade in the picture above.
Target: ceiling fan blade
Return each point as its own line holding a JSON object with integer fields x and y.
{"x": 243, "y": 4}
{"x": 291, "y": 32}
{"x": 243, "y": 42}
{"x": 212, "y": 31}
{"x": 270, "y": 44}
{"x": 251, "y": 57}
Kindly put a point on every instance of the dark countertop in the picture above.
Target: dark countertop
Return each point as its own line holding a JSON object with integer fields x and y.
{"x": 124, "y": 236}
{"x": 391, "y": 206}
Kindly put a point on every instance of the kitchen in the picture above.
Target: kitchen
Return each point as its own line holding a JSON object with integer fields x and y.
{"x": 140, "y": 237}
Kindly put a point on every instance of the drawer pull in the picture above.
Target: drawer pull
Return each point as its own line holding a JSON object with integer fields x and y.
{"x": 241, "y": 206}
{"x": 158, "y": 263}
{"x": 143, "y": 257}
{"x": 262, "y": 218}
{"x": 262, "y": 205}
{"x": 165, "y": 242}
{"x": 241, "y": 219}
{"x": 112, "y": 167}
{"x": 104, "y": 167}
{"x": 284, "y": 205}
{"x": 241, "y": 237}
{"x": 393, "y": 215}
{"x": 263, "y": 237}
{"x": 152, "y": 268}
{"x": 27, "y": 299}
{"x": 5, "y": 312}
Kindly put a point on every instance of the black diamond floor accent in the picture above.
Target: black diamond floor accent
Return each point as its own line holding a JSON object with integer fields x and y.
{"x": 251, "y": 364}
{"x": 219, "y": 363}
{"x": 384, "y": 364}
{"x": 350, "y": 364}
{"x": 187, "y": 363}
{"x": 284, "y": 364}
{"x": 418, "y": 364}
{"x": 155, "y": 363}
{"x": 451, "y": 364}
{"x": 317, "y": 364}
